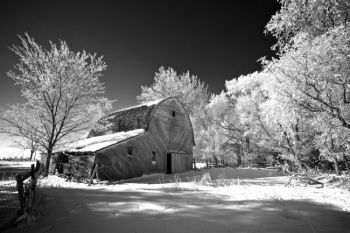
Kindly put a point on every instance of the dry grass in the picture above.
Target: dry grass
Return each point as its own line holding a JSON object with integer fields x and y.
{"x": 334, "y": 181}
{"x": 335, "y": 193}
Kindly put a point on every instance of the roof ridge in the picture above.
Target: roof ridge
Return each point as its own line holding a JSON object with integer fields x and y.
{"x": 150, "y": 103}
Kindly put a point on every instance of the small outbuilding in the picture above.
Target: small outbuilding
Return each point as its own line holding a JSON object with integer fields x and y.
{"x": 149, "y": 138}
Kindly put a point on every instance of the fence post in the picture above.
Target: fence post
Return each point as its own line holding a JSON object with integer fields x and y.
{"x": 93, "y": 174}
{"x": 19, "y": 180}
{"x": 32, "y": 171}
{"x": 194, "y": 165}
{"x": 37, "y": 166}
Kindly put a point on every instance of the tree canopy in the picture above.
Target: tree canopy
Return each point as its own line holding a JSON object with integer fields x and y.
{"x": 192, "y": 92}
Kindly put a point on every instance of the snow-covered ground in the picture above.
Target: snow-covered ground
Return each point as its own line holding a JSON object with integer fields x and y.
{"x": 213, "y": 200}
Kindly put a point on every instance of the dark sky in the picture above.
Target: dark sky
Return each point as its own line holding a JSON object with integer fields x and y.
{"x": 216, "y": 41}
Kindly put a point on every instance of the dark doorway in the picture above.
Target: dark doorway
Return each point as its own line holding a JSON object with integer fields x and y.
{"x": 168, "y": 163}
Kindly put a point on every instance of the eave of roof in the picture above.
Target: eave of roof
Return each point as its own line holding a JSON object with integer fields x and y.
{"x": 94, "y": 144}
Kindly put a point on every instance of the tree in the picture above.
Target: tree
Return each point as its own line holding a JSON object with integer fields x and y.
{"x": 333, "y": 141}
{"x": 263, "y": 121}
{"x": 28, "y": 144}
{"x": 313, "y": 65}
{"x": 226, "y": 122}
{"x": 313, "y": 18}
{"x": 288, "y": 127}
{"x": 237, "y": 113}
{"x": 192, "y": 92}
{"x": 210, "y": 137}
{"x": 15, "y": 122}
{"x": 317, "y": 73}
{"x": 62, "y": 90}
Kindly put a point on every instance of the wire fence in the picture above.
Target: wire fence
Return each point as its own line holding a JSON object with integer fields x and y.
{"x": 18, "y": 196}
{"x": 9, "y": 203}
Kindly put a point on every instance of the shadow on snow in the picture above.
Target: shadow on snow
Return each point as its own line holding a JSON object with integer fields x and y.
{"x": 79, "y": 210}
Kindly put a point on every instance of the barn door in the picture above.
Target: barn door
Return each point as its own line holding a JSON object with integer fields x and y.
{"x": 168, "y": 163}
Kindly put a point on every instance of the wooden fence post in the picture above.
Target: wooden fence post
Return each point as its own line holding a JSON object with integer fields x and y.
{"x": 19, "y": 179}
{"x": 30, "y": 190}
{"x": 32, "y": 171}
{"x": 194, "y": 165}
{"x": 93, "y": 174}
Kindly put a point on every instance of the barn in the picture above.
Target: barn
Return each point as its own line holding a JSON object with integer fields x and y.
{"x": 154, "y": 137}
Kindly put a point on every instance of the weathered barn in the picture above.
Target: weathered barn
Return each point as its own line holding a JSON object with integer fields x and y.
{"x": 152, "y": 137}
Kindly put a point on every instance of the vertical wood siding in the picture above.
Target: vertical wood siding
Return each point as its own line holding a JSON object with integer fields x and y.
{"x": 165, "y": 133}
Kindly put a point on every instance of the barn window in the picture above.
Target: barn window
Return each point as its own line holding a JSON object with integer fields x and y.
{"x": 173, "y": 113}
{"x": 154, "y": 158}
{"x": 130, "y": 150}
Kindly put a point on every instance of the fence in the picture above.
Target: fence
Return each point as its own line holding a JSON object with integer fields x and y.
{"x": 9, "y": 203}
{"x": 18, "y": 197}
{"x": 26, "y": 187}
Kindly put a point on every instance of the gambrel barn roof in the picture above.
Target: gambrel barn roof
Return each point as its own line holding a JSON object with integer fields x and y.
{"x": 135, "y": 117}
{"x": 93, "y": 144}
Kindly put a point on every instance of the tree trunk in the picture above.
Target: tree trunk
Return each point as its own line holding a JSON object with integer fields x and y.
{"x": 346, "y": 163}
{"x": 239, "y": 156}
{"x": 31, "y": 154}
{"x": 335, "y": 161}
{"x": 336, "y": 166}
{"x": 48, "y": 158}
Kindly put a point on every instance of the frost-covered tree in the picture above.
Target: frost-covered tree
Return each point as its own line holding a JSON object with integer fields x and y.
{"x": 62, "y": 90}
{"x": 211, "y": 137}
{"x": 318, "y": 74}
{"x": 208, "y": 137}
{"x": 236, "y": 112}
{"x": 332, "y": 140}
{"x": 313, "y": 67}
{"x": 192, "y": 92}
{"x": 226, "y": 121}
{"x": 28, "y": 144}
{"x": 289, "y": 127}
{"x": 16, "y": 122}
{"x": 263, "y": 121}
{"x": 313, "y": 18}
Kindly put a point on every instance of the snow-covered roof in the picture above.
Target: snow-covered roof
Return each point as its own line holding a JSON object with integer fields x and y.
{"x": 94, "y": 144}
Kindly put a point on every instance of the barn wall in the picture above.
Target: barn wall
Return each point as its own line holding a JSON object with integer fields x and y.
{"x": 115, "y": 162}
{"x": 80, "y": 166}
{"x": 173, "y": 131}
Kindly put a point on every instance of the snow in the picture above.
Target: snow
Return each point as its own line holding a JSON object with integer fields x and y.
{"x": 231, "y": 200}
{"x": 99, "y": 142}
{"x": 200, "y": 165}
{"x": 15, "y": 153}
